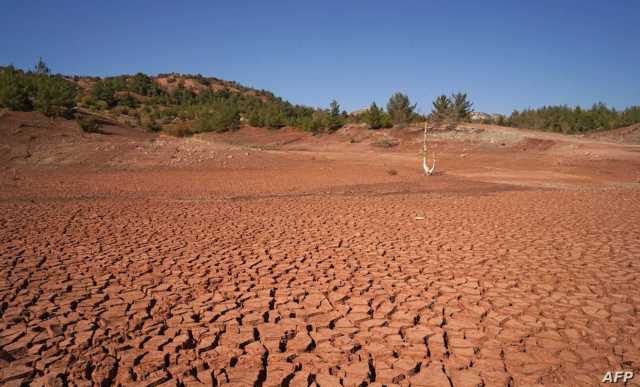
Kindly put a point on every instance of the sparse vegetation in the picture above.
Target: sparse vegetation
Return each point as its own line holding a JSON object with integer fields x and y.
{"x": 89, "y": 125}
{"x": 179, "y": 130}
{"x": 376, "y": 118}
{"x": 54, "y": 96}
{"x": 569, "y": 120}
{"x": 208, "y": 109}
{"x": 50, "y": 94}
{"x": 15, "y": 90}
{"x": 144, "y": 85}
{"x": 104, "y": 91}
{"x": 150, "y": 124}
{"x": 220, "y": 119}
{"x": 385, "y": 143}
{"x": 211, "y": 104}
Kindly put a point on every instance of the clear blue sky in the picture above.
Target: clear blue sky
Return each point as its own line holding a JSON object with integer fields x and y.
{"x": 506, "y": 54}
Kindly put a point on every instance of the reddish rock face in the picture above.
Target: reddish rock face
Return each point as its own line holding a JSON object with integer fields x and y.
{"x": 295, "y": 269}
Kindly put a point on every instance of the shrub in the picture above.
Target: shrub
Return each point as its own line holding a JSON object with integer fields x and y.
{"x": 143, "y": 84}
{"x": 15, "y": 90}
{"x": 256, "y": 119}
{"x": 182, "y": 95}
{"x": 104, "y": 90}
{"x": 313, "y": 124}
{"x": 123, "y": 110}
{"x": 89, "y": 125}
{"x": 385, "y": 143}
{"x": 86, "y": 101}
{"x": 179, "y": 131}
{"x": 630, "y": 115}
{"x": 222, "y": 119}
{"x": 127, "y": 100}
{"x": 376, "y": 118}
{"x": 101, "y": 105}
{"x": 154, "y": 127}
{"x": 266, "y": 115}
{"x": 186, "y": 115}
{"x": 274, "y": 118}
{"x": 55, "y": 96}
{"x": 148, "y": 122}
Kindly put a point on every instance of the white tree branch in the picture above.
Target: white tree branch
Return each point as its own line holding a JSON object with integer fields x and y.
{"x": 428, "y": 171}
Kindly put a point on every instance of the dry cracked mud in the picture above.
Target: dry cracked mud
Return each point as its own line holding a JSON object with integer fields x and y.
{"x": 242, "y": 278}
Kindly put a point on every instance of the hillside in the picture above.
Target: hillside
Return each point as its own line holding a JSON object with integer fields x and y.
{"x": 175, "y": 103}
{"x": 184, "y": 104}
{"x": 626, "y": 135}
{"x": 171, "y": 82}
{"x": 33, "y": 141}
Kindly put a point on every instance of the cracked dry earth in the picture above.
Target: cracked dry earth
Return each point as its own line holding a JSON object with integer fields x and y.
{"x": 501, "y": 287}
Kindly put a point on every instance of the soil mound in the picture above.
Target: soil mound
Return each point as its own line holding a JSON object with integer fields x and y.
{"x": 626, "y": 135}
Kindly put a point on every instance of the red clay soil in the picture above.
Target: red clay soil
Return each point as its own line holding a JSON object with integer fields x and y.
{"x": 244, "y": 259}
{"x": 628, "y": 134}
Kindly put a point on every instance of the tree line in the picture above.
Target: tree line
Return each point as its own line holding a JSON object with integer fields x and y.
{"x": 400, "y": 111}
{"x": 572, "y": 120}
{"x": 143, "y": 100}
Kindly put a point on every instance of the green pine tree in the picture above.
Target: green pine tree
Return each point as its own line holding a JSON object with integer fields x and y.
{"x": 461, "y": 107}
{"x": 334, "y": 119}
{"x": 441, "y": 108}
{"x": 400, "y": 109}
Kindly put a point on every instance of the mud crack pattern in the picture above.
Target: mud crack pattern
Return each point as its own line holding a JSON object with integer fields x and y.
{"x": 508, "y": 289}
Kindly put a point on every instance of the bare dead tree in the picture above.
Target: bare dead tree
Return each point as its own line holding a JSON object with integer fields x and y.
{"x": 428, "y": 171}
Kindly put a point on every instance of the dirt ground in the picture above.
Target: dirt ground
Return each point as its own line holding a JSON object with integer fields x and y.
{"x": 274, "y": 258}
